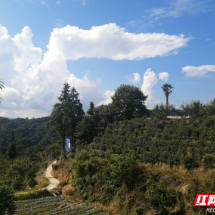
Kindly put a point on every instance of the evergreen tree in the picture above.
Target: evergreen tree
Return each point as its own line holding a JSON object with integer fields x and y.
{"x": 11, "y": 151}
{"x": 66, "y": 114}
{"x": 90, "y": 111}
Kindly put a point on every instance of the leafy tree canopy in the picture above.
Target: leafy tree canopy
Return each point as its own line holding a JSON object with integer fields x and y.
{"x": 129, "y": 102}
{"x": 194, "y": 108}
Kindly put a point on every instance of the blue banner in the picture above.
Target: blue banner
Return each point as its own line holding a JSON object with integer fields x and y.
{"x": 68, "y": 144}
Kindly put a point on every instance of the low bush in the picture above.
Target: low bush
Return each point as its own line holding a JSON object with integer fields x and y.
{"x": 189, "y": 163}
{"x": 208, "y": 161}
{"x": 161, "y": 197}
{"x": 6, "y": 200}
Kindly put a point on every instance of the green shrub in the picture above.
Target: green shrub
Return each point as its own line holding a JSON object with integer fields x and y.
{"x": 18, "y": 183}
{"x": 83, "y": 155}
{"x": 161, "y": 197}
{"x": 6, "y": 200}
{"x": 208, "y": 161}
{"x": 124, "y": 168}
{"x": 32, "y": 182}
{"x": 189, "y": 163}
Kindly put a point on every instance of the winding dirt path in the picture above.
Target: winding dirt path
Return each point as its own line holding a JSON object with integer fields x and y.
{"x": 53, "y": 181}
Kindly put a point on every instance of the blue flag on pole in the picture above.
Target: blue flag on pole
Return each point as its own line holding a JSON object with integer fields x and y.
{"x": 68, "y": 144}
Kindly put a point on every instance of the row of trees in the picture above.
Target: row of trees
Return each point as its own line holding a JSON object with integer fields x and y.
{"x": 128, "y": 102}
{"x": 69, "y": 119}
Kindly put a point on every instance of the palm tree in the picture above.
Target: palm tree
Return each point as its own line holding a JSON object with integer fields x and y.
{"x": 167, "y": 90}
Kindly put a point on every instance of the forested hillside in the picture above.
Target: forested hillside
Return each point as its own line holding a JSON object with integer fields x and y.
{"x": 28, "y": 132}
{"x": 124, "y": 156}
{"x": 166, "y": 141}
{"x": 148, "y": 163}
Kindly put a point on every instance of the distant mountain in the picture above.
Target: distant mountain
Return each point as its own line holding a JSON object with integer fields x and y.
{"x": 8, "y": 118}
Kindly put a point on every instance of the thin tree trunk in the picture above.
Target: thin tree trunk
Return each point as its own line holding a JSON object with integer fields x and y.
{"x": 167, "y": 101}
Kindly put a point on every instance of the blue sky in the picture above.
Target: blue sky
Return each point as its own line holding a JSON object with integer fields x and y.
{"x": 96, "y": 45}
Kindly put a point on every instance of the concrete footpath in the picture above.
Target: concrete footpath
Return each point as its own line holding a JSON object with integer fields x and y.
{"x": 53, "y": 181}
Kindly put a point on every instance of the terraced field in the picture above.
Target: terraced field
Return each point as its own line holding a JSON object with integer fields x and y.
{"x": 56, "y": 205}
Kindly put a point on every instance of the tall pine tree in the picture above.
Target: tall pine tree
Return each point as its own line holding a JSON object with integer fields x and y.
{"x": 91, "y": 109}
{"x": 11, "y": 151}
{"x": 66, "y": 114}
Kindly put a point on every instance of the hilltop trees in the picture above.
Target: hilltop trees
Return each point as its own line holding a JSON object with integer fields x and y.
{"x": 194, "y": 108}
{"x": 128, "y": 102}
{"x": 11, "y": 151}
{"x": 167, "y": 90}
{"x": 66, "y": 114}
{"x": 162, "y": 111}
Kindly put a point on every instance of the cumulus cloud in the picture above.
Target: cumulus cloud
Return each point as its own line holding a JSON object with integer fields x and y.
{"x": 111, "y": 42}
{"x": 198, "y": 71}
{"x": 33, "y": 83}
{"x": 136, "y": 78}
{"x": 149, "y": 80}
{"x": 163, "y": 76}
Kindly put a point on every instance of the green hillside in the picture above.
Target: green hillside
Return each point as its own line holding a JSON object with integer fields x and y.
{"x": 28, "y": 132}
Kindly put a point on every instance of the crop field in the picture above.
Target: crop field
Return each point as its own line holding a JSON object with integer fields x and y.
{"x": 55, "y": 205}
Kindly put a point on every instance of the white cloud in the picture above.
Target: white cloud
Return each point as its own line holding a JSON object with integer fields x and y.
{"x": 199, "y": 71}
{"x": 112, "y": 42}
{"x": 136, "y": 78}
{"x": 108, "y": 99}
{"x": 43, "y": 2}
{"x": 33, "y": 84}
{"x": 58, "y": 2}
{"x": 149, "y": 80}
{"x": 172, "y": 9}
{"x": 163, "y": 76}
{"x": 88, "y": 90}
{"x": 177, "y": 8}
